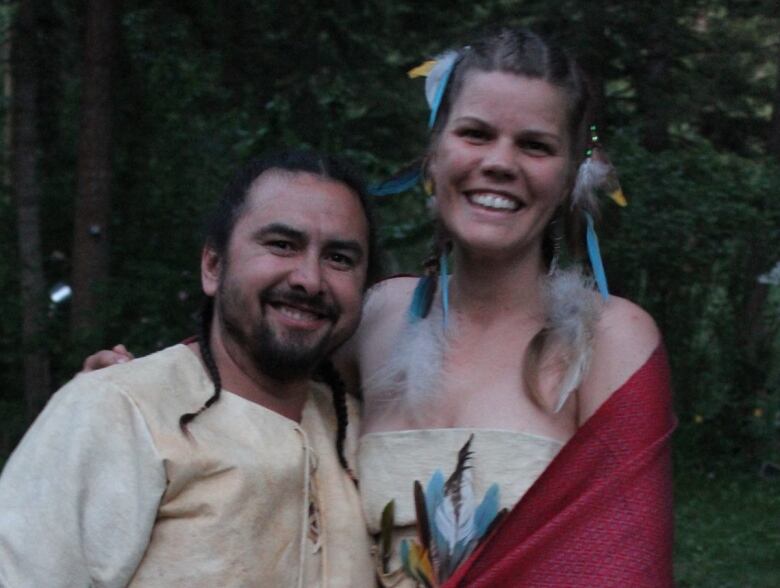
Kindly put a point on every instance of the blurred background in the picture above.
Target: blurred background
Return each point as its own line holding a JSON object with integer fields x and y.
{"x": 121, "y": 122}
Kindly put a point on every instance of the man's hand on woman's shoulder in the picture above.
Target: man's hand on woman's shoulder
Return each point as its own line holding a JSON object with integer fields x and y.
{"x": 107, "y": 357}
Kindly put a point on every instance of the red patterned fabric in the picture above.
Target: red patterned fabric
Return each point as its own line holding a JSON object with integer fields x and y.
{"x": 601, "y": 514}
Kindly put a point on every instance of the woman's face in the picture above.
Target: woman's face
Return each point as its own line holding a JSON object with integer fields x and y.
{"x": 502, "y": 163}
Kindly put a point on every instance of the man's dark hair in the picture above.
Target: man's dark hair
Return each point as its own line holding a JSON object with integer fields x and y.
{"x": 220, "y": 228}
{"x": 231, "y": 205}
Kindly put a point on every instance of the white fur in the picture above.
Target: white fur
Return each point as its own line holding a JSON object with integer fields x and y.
{"x": 409, "y": 380}
{"x": 573, "y": 308}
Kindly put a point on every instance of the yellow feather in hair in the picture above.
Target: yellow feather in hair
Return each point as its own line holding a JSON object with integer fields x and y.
{"x": 422, "y": 70}
{"x": 619, "y": 197}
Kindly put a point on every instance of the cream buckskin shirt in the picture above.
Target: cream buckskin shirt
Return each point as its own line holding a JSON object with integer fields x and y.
{"x": 106, "y": 491}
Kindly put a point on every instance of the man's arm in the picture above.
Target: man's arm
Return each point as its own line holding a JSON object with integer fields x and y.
{"x": 79, "y": 496}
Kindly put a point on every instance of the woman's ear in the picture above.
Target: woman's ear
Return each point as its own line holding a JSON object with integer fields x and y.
{"x": 427, "y": 168}
{"x": 571, "y": 181}
{"x": 429, "y": 185}
{"x": 210, "y": 270}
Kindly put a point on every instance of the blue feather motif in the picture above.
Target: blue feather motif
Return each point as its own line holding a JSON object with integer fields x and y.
{"x": 486, "y": 511}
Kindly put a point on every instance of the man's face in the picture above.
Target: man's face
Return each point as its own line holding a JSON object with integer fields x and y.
{"x": 290, "y": 288}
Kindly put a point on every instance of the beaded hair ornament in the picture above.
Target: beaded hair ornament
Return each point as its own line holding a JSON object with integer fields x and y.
{"x": 595, "y": 173}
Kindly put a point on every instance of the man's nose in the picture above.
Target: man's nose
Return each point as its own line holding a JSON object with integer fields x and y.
{"x": 307, "y": 274}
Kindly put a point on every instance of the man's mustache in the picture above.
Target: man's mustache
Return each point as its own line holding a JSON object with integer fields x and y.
{"x": 315, "y": 304}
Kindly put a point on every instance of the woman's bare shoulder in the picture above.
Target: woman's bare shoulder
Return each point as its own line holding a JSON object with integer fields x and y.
{"x": 385, "y": 306}
{"x": 390, "y": 293}
{"x": 628, "y": 326}
{"x": 625, "y": 337}
{"x": 384, "y": 311}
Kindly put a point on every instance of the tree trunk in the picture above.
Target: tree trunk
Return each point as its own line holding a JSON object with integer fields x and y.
{"x": 592, "y": 59}
{"x": 650, "y": 100}
{"x": 773, "y": 144}
{"x": 93, "y": 204}
{"x": 651, "y": 72}
{"x": 26, "y": 190}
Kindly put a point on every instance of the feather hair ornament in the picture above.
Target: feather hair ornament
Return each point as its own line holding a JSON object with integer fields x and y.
{"x": 422, "y": 299}
{"x": 409, "y": 380}
{"x": 444, "y": 286}
{"x": 401, "y": 181}
{"x": 572, "y": 309}
{"x": 590, "y": 175}
{"x": 595, "y": 173}
{"x": 594, "y": 254}
{"x": 450, "y": 524}
{"x": 437, "y": 72}
{"x": 436, "y": 82}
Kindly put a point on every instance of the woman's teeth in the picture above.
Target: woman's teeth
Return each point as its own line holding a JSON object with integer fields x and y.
{"x": 494, "y": 201}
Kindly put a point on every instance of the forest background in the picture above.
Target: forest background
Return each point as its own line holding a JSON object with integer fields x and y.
{"x": 123, "y": 120}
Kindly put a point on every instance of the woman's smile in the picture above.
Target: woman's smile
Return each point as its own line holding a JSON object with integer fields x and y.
{"x": 494, "y": 201}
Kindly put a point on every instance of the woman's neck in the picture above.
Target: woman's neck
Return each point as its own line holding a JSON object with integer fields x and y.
{"x": 487, "y": 287}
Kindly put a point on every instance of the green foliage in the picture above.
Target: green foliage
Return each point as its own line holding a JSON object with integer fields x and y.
{"x": 700, "y": 228}
{"x": 726, "y": 529}
{"x": 204, "y": 85}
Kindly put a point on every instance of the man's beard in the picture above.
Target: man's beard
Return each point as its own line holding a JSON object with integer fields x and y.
{"x": 298, "y": 355}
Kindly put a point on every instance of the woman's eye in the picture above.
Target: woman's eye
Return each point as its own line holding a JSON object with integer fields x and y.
{"x": 537, "y": 147}
{"x": 473, "y": 134}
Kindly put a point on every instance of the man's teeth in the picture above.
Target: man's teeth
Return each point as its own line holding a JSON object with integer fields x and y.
{"x": 297, "y": 314}
{"x": 494, "y": 201}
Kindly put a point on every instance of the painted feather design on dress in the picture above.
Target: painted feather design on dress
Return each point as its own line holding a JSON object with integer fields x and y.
{"x": 386, "y": 534}
{"x": 450, "y": 523}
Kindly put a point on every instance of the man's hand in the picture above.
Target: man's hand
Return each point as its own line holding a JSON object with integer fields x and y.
{"x": 107, "y": 357}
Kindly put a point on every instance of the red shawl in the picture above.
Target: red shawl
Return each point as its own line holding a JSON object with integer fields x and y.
{"x": 601, "y": 514}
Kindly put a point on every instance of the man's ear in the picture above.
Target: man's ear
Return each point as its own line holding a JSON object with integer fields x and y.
{"x": 210, "y": 270}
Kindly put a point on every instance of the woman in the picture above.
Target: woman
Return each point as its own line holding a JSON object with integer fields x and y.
{"x": 528, "y": 352}
{"x": 510, "y": 366}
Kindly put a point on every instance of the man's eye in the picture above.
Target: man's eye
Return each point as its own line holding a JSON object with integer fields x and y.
{"x": 279, "y": 245}
{"x": 341, "y": 260}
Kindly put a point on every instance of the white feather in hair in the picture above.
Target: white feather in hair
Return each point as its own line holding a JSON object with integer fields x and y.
{"x": 438, "y": 73}
{"x": 596, "y": 172}
{"x": 573, "y": 308}
{"x": 591, "y": 176}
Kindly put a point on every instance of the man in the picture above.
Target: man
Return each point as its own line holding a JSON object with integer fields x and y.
{"x": 153, "y": 474}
